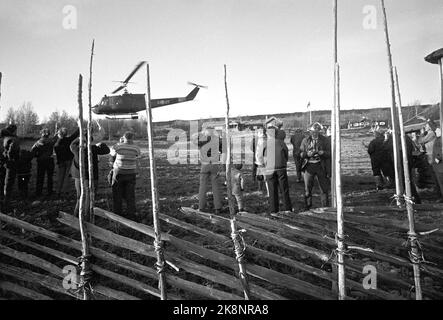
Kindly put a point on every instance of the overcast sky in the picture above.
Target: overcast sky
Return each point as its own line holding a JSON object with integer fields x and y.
{"x": 278, "y": 52}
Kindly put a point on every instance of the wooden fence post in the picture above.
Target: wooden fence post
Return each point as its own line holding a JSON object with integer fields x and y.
{"x": 85, "y": 273}
{"x": 333, "y": 113}
{"x": 91, "y": 188}
{"x": 158, "y": 244}
{"x": 397, "y": 165}
{"x": 236, "y": 239}
{"x": 341, "y": 247}
{"x": 414, "y": 254}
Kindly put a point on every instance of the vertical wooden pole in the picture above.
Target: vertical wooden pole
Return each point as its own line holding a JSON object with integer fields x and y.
{"x": 91, "y": 188}
{"x": 397, "y": 166}
{"x": 412, "y": 234}
{"x": 158, "y": 244}
{"x": 333, "y": 113}
{"x": 1, "y": 75}
{"x": 84, "y": 264}
{"x": 440, "y": 63}
{"x": 238, "y": 247}
{"x": 338, "y": 192}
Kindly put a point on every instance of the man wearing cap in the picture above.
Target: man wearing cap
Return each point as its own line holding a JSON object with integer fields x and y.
{"x": 314, "y": 152}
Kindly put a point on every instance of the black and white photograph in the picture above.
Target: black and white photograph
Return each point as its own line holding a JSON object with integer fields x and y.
{"x": 229, "y": 156}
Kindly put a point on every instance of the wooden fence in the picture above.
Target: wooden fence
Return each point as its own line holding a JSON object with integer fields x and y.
{"x": 200, "y": 258}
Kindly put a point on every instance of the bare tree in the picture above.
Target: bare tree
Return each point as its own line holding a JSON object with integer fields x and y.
{"x": 10, "y": 116}
{"x": 26, "y": 119}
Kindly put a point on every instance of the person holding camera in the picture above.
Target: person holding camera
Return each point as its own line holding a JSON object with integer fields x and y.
{"x": 315, "y": 151}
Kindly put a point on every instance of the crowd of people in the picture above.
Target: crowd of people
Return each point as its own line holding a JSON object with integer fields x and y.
{"x": 424, "y": 158}
{"x": 311, "y": 154}
{"x": 64, "y": 150}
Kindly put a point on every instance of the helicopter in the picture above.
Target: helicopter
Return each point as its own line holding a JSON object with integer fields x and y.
{"x": 126, "y": 105}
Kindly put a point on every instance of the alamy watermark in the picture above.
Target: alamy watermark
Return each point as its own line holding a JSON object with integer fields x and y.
{"x": 70, "y": 18}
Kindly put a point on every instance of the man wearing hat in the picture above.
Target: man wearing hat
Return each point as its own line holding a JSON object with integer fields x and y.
{"x": 315, "y": 151}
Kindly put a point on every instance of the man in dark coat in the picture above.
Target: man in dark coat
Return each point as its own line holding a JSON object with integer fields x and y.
{"x": 296, "y": 140}
{"x": 64, "y": 157}
{"x": 43, "y": 150}
{"x": 380, "y": 160}
{"x": 97, "y": 149}
{"x": 315, "y": 151}
{"x": 24, "y": 167}
{"x": 275, "y": 159}
{"x": 9, "y": 155}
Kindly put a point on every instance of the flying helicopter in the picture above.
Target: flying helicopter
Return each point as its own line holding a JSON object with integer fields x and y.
{"x": 126, "y": 105}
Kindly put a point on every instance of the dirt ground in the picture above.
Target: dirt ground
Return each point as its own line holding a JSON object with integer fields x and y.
{"x": 178, "y": 187}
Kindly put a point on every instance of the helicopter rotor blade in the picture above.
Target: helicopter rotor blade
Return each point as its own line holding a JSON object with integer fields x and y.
{"x": 197, "y": 85}
{"x": 137, "y": 67}
{"x": 118, "y": 89}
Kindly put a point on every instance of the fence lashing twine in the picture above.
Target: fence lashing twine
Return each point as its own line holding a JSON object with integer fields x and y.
{"x": 158, "y": 248}
{"x": 240, "y": 250}
{"x": 85, "y": 275}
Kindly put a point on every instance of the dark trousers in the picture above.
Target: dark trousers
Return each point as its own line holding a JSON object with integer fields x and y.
{"x": 63, "y": 173}
{"x": 298, "y": 162}
{"x": 23, "y": 184}
{"x": 313, "y": 170}
{"x": 123, "y": 188}
{"x": 44, "y": 168}
{"x": 278, "y": 179}
{"x": 7, "y": 179}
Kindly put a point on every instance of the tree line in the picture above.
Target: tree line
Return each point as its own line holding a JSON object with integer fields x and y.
{"x": 29, "y": 123}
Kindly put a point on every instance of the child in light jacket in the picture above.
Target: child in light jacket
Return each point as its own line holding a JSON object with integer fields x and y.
{"x": 237, "y": 184}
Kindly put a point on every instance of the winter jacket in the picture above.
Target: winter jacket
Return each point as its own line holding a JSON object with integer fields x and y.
{"x": 62, "y": 147}
{"x": 377, "y": 150}
{"x": 428, "y": 141}
{"x": 9, "y": 149}
{"x": 210, "y": 148}
{"x": 97, "y": 149}
{"x": 296, "y": 140}
{"x": 321, "y": 145}
{"x": 24, "y": 163}
{"x": 274, "y": 151}
{"x": 309, "y": 145}
{"x": 43, "y": 149}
